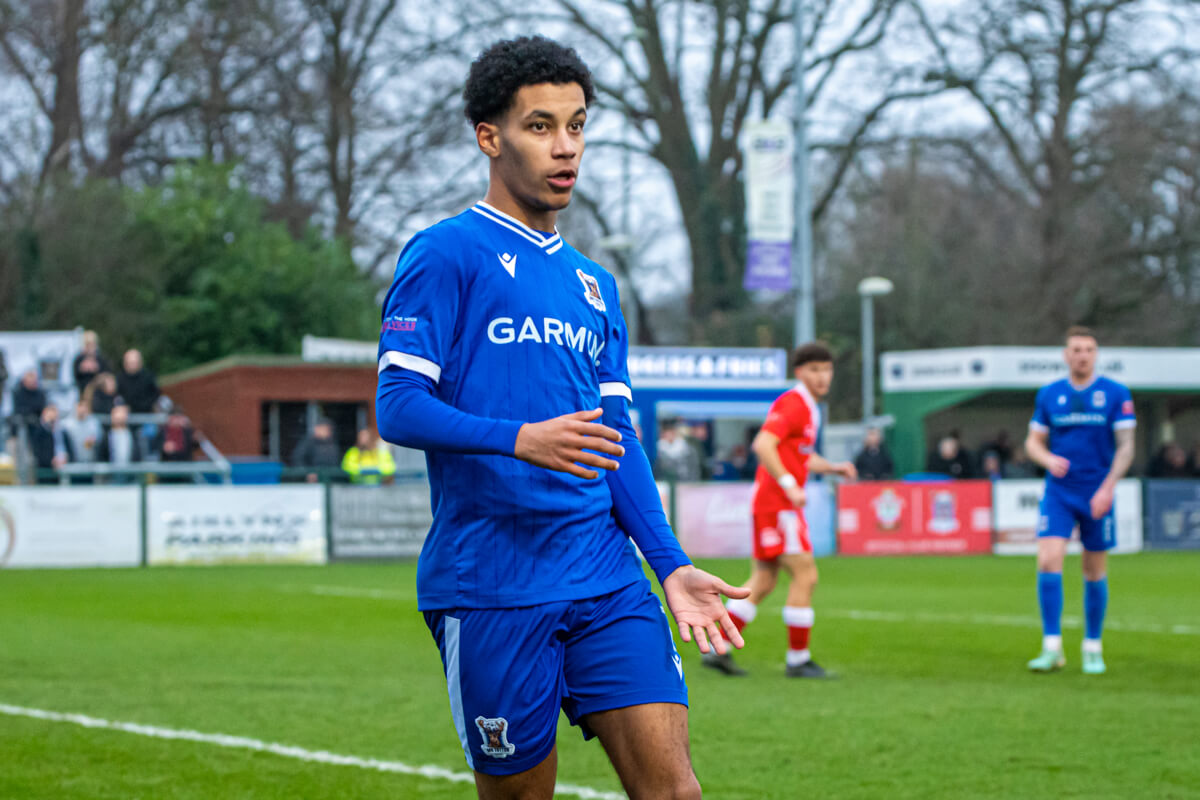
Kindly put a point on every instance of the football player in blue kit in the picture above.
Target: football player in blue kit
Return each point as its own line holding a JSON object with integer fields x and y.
{"x": 1082, "y": 434}
{"x": 503, "y": 355}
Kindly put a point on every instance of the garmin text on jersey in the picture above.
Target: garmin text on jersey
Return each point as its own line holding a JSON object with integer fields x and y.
{"x": 505, "y": 330}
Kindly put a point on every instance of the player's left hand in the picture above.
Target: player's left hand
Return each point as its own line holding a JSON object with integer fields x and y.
{"x": 694, "y": 597}
{"x": 847, "y": 470}
{"x": 1102, "y": 501}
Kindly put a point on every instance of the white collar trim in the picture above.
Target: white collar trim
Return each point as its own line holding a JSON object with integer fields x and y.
{"x": 550, "y": 244}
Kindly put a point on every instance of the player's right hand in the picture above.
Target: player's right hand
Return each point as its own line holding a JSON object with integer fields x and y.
{"x": 1057, "y": 466}
{"x": 560, "y": 443}
{"x": 796, "y": 496}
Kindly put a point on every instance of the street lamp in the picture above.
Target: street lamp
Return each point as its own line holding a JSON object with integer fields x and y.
{"x": 868, "y": 290}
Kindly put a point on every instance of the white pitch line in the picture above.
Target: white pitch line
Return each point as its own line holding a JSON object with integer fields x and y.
{"x": 1009, "y": 620}
{"x": 287, "y": 751}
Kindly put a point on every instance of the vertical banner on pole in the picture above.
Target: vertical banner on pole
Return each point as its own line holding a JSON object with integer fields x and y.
{"x": 770, "y": 216}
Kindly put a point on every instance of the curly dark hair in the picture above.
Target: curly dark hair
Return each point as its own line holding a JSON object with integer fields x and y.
{"x": 500, "y": 71}
{"x": 810, "y": 352}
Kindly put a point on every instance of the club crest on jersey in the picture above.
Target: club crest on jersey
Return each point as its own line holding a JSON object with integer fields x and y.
{"x": 1098, "y": 398}
{"x": 591, "y": 290}
{"x": 495, "y": 737}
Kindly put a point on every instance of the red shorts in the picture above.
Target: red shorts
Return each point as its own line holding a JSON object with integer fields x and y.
{"x": 779, "y": 533}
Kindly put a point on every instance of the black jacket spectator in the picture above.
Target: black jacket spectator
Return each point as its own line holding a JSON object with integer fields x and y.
{"x": 101, "y": 394}
{"x": 46, "y": 443}
{"x": 104, "y": 453}
{"x": 28, "y": 398}
{"x": 318, "y": 451}
{"x": 950, "y": 459}
{"x": 874, "y": 463}
{"x": 90, "y": 362}
{"x": 139, "y": 390}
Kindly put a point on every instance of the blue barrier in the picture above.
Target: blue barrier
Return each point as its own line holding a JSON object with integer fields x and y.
{"x": 1172, "y": 514}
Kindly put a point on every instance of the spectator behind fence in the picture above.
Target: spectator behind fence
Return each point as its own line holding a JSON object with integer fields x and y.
{"x": 991, "y": 467}
{"x": 118, "y": 444}
{"x": 28, "y": 399}
{"x": 102, "y": 394}
{"x": 82, "y": 432}
{"x": 137, "y": 384}
{"x": 318, "y": 451}
{"x": 874, "y": 462}
{"x": 949, "y": 458}
{"x": 1170, "y": 461}
{"x": 177, "y": 440}
{"x": 1001, "y": 445}
{"x": 1020, "y": 466}
{"x": 369, "y": 462}
{"x": 675, "y": 459}
{"x": 50, "y": 449}
{"x": 90, "y": 362}
{"x": 734, "y": 467}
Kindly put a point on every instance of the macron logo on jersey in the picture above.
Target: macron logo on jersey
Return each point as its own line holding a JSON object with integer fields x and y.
{"x": 503, "y": 330}
{"x": 509, "y": 262}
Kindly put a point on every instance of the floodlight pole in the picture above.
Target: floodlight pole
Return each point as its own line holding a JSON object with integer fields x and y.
{"x": 805, "y": 322}
{"x": 868, "y": 290}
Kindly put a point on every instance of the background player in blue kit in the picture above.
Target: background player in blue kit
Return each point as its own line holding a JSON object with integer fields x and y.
{"x": 501, "y": 349}
{"x": 1082, "y": 433}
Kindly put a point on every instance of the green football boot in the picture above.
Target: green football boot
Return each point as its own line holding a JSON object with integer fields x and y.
{"x": 1048, "y": 661}
{"x": 1093, "y": 663}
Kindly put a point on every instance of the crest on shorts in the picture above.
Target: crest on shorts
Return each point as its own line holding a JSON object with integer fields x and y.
{"x": 591, "y": 290}
{"x": 495, "y": 737}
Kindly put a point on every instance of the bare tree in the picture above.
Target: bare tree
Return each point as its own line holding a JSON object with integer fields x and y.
{"x": 1041, "y": 72}
{"x": 698, "y": 71}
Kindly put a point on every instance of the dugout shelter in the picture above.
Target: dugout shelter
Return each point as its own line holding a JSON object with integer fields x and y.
{"x": 980, "y": 391}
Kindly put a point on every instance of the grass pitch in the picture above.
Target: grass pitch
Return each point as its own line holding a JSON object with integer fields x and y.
{"x": 933, "y": 700}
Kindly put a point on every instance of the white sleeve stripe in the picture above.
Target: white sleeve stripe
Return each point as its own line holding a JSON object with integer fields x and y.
{"x": 616, "y": 389}
{"x": 392, "y": 358}
{"x": 1037, "y": 426}
{"x": 1124, "y": 423}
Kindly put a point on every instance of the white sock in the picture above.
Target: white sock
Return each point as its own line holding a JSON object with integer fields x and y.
{"x": 1052, "y": 643}
{"x": 797, "y": 657}
{"x": 1092, "y": 646}
{"x": 743, "y": 608}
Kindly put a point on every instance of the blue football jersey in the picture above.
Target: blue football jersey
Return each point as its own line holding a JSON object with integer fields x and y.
{"x": 510, "y": 323}
{"x": 1081, "y": 424}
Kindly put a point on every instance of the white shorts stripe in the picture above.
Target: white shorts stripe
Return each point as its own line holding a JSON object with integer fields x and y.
{"x": 454, "y": 685}
{"x": 616, "y": 389}
{"x": 393, "y": 358}
{"x": 789, "y": 526}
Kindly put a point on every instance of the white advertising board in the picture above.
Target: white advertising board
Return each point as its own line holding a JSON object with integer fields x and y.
{"x": 235, "y": 525}
{"x": 70, "y": 526}
{"x": 1033, "y": 367}
{"x": 1015, "y": 508}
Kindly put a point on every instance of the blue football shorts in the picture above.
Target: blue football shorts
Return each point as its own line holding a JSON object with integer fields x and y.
{"x": 1061, "y": 509}
{"x": 510, "y": 670}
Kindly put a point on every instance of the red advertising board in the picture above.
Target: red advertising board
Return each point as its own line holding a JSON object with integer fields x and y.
{"x": 877, "y": 518}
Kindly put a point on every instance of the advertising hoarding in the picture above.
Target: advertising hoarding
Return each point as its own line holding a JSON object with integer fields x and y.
{"x": 898, "y": 518}
{"x": 70, "y": 526}
{"x": 1173, "y": 515}
{"x": 714, "y": 519}
{"x": 1016, "y": 506}
{"x": 235, "y": 525}
{"x": 379, "y": 521}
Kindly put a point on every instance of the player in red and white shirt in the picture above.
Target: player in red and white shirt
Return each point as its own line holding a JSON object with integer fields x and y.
{"x": 786, "y": 450}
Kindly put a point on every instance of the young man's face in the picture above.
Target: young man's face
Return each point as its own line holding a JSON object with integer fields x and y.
{"x": 1080, "y": 355}
{"x": 536, "y": 146}
{"x": 816, "y": 377}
